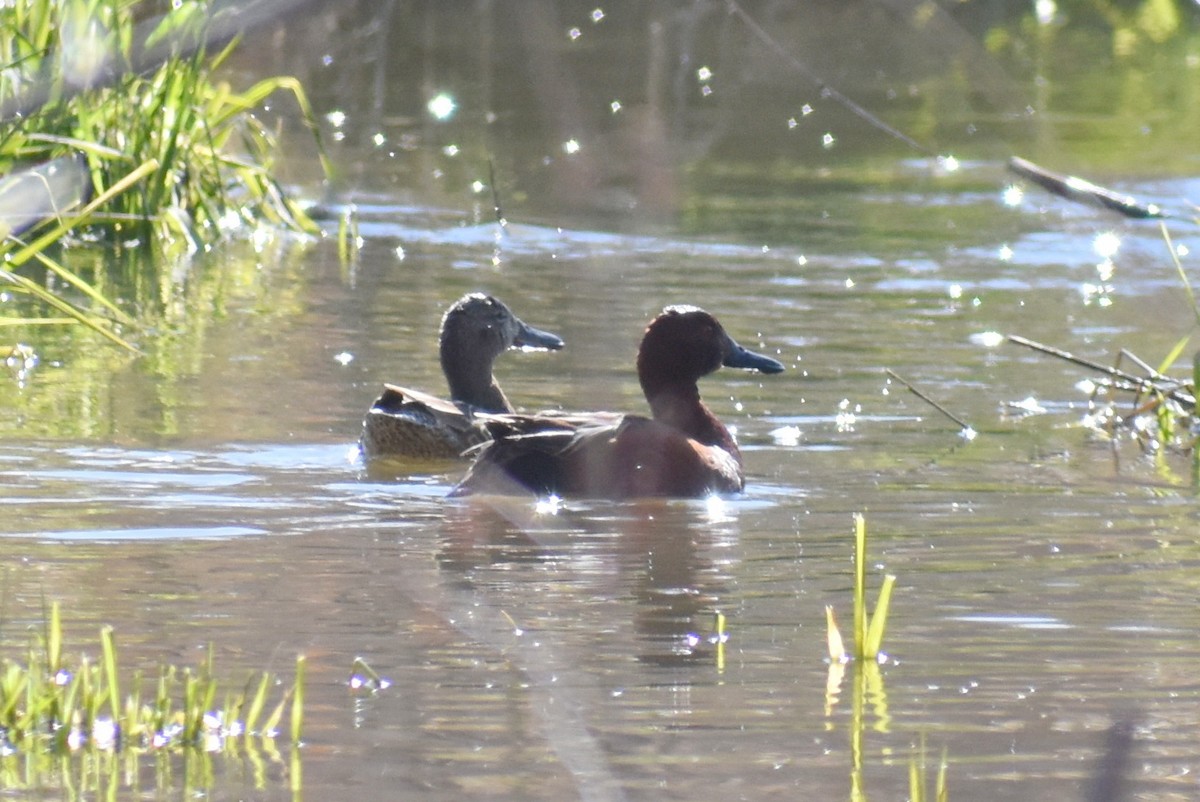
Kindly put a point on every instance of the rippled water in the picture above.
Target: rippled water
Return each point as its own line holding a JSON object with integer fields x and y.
{"x": 1046, "y": 584}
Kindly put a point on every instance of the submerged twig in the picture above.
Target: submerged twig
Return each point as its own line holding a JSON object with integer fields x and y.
{"x": 1081, "y": 191}
{"x": 962, "y": 424}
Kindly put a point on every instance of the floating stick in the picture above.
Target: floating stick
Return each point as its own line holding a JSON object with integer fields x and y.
{"x": 1081, "y": 191}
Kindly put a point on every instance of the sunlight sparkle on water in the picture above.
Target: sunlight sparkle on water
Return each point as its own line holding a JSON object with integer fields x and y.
{"x": 786, "y": 435}
{"x": 955, "y": 291}
{"x": 1013, "y": 195}
{"x": 1045, "y": 10}
{"x": 336, "y": 118}
{"x": 571, "y": 146}
{"x": 615, "y": 106}
{"x": 548, "y": 506}
{"x": 574, "y": 33}
{"x": 828, "y": 141}
{"x": 597, "y": 14}
{"x": 379, "y": 140}
{"x": 344, "y": 358}
{"x": 704, "y": 74}
{"x": 1106, "y": 245}
{"x": 1005, "y": 253}
{"x": 988, "y": 339}
{"x": 717, "y": 509}
{"x": 847, "y": 417}
{"x": 441, "y": 106}
{"x": 1028, "y": 404}
{"x": 477, "y": 187}
{"x": 948, "y": 164}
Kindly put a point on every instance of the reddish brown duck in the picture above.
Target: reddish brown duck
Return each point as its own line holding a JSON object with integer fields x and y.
{"x": 684, "y": 450}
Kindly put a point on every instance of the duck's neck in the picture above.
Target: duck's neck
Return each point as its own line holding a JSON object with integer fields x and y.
{"x": 682, "y": 409}
{"x": 471, "y": 382}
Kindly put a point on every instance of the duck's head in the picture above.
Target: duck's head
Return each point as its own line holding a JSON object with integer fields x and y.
{"x": 685, "y": 343}
{"x": 481, "y": 326}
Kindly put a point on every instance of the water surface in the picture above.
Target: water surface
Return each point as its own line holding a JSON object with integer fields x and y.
{"x": 210, "y": 493}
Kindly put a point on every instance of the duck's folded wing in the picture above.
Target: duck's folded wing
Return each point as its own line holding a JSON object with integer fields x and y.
{"x": 543, "y": 454}
{"x": 409, "y": 423}
{"x": 394, "y": 398}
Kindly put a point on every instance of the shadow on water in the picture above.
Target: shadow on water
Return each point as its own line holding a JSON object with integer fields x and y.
{"x": 209, "y": 493}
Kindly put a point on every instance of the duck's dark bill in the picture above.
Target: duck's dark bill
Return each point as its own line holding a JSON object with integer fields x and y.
{"x": 740, "y": 357}
{"x": 529, "y": 337}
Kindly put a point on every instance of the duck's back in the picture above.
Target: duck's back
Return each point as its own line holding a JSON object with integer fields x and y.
{"x": 411, "y": 424}
{"x": 606, "y": 456}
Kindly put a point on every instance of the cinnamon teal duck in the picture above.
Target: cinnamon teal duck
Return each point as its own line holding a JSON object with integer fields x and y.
{"x": 683, "y": 451}
{"x": 406, "y": 423}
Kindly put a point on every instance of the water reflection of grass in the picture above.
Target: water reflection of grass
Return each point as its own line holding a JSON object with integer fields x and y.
{"x": 67, "y": 726}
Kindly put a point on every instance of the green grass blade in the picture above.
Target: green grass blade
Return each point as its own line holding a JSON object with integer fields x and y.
{"x": 298, "y": 701}
{"x": 54, "y": 639}
{"x": 84, "y": 287}
{"x": 108, "y": 650}
{"x": 271, "y": 725}
{"x": 833, "y": 637}
{"x": 1173, "y": 354}
{"x": 860, "y": 585}
{"x": 879, "y": 617}
{"x": 942, "y": 790}
{"x": 66, "y": 308}
{"x": 257, "y": 703}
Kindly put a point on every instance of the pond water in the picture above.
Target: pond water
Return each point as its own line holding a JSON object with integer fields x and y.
{"x": 210, "y": 493}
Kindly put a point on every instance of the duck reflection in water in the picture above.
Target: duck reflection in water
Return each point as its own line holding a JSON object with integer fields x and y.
{"x": 683, "y": 451}
{"x": 653, "y": 552}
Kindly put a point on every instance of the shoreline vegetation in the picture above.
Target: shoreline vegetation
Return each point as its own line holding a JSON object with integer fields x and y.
{"x": 115, "y": 131}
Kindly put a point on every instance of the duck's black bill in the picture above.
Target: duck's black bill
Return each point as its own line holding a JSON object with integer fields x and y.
{"x": 529, "y": 337}
{"x": 740, "y": 357}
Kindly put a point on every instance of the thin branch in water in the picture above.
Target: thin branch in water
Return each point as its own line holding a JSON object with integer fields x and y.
{"x": 962, "y": 424}
{"x": 1081, "y": 191}
{"x": 826, "y": 90}
{"x": 1173, "y": 390}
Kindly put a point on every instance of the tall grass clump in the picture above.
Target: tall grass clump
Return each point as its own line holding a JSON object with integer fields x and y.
{"x": 127, "y": 104}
